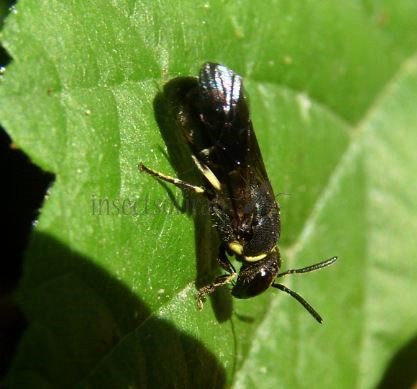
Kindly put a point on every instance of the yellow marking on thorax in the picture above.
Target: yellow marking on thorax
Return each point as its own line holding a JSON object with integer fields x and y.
{"x": 256, "y": 257}
{"x": 260, "y": 256}
{"x": 236, "y": 247}
{"x": 211, "y": 177}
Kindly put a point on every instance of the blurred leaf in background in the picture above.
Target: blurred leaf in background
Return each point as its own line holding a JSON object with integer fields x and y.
{"x": 108, "y": 286}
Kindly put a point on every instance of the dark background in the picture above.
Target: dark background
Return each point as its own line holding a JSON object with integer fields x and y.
{"x": 23, "y": 186}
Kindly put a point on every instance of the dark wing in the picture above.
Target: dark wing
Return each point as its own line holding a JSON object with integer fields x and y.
{"x": 221, "y": 136}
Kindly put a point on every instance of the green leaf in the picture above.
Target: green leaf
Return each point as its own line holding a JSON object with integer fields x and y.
{"x": 109, "y": 274}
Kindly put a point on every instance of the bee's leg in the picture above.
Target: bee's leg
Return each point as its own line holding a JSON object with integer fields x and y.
{"x": 172, "y": 180}
{"x": 224, "y": 279}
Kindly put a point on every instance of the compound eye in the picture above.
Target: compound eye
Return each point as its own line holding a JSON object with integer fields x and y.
{"x": 253, "y": 281}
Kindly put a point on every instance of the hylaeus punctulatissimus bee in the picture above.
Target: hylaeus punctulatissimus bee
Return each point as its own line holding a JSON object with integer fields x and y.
{"x": 217, "y": 127}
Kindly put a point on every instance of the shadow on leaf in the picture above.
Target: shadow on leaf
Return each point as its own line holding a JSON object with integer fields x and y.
{"x": 86, "y": 328}
{"x": 402, "y": 370}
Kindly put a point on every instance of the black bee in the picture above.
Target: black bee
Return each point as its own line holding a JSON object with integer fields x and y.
{"x": 217, "y": 127}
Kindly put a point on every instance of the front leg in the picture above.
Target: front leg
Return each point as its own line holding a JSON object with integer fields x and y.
{"x": 224, "y": 261}
{"x": 221, "y": 280}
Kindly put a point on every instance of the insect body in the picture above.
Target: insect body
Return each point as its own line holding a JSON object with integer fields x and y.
{"x": 216, "y": 125}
